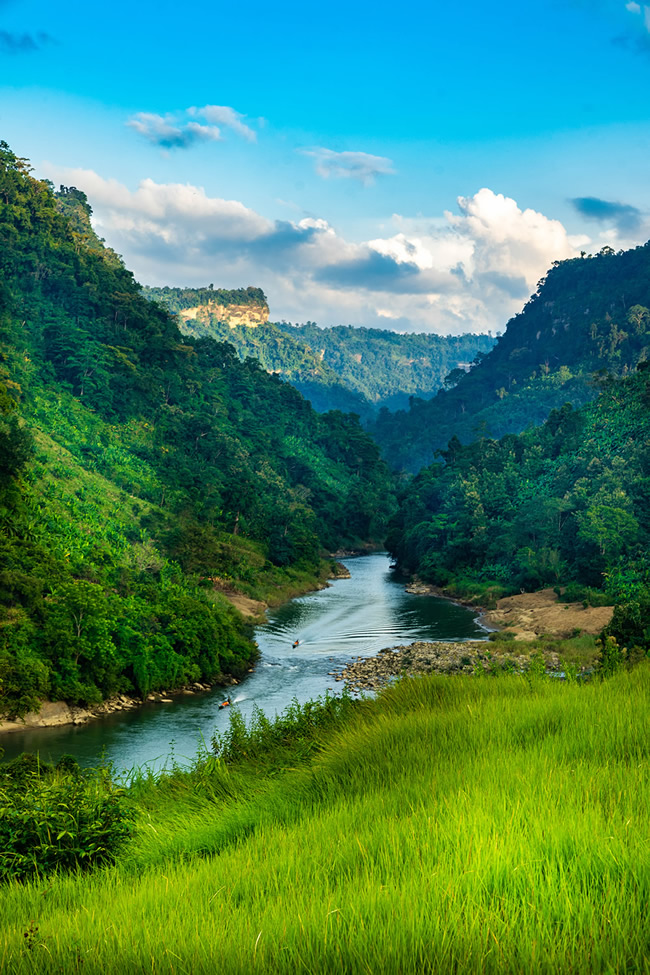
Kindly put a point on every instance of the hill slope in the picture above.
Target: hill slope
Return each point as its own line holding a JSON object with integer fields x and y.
{"x": 588, "y": 315}
{"x": 452, "y": 825}
{"x": 138, "y": 465}
{"x": 566, "y": 503}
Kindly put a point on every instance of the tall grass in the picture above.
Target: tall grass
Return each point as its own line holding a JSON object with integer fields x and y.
{"x": 452, "y": 825}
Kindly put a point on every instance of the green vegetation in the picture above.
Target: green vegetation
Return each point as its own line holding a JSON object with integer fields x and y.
{"x": 453, "y": 824}
{"x": 143, "y": 471}
{"x": 388, "y": 368}
{"x": 588, "y": 317}
{"x": 58, "y": 818}
{"x": 178, "y": 299}
{"x": 345, "y": 368}
{"x": 566, "y": 503}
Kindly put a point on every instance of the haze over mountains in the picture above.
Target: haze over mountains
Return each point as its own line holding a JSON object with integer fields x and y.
{"x": 346, "y": 368}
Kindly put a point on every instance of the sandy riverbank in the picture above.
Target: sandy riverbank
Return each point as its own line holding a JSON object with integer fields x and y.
{"x": 533, "y": 614}
{"x": 530, "y": 615}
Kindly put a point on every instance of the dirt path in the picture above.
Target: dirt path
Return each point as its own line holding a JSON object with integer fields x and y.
{"x": 253, "y": 608}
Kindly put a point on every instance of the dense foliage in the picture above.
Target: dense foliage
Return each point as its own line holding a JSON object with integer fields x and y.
{"x": 283, "y": 355}
{"x": 178, "y": 299}
{"x": 566, "y": 503}
{"x": 588, "y": 315}
{"x": 59, "y": 817}
{"x": 385, "y": 367}
{"x": 138, "y": 466}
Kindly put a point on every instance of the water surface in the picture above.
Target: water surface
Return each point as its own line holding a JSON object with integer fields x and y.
{"x": 354, "y": 617}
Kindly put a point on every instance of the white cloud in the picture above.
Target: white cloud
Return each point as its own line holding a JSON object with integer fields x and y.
{"x": 465, "y": 271}
{"x": 163, "y": 131}
{"x": 349, "y": 165}
{"x": 174, "y": 131}
{"x": 224, "y": 115}
{"x": 636, "y": 8}
{"x": 507, "y": 241}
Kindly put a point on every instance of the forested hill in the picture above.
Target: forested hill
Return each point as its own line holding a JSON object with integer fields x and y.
{"x": 387, "y": 367}
{"x": 140, "y": 469}
{"x": 589, "y": 316}
{"x": 346, "y": 368}
{"x": 566, "y": 503}
{"x": 276, "y": 352}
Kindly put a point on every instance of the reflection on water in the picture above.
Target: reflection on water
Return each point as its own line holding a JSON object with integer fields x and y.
{"x": 355, "y": 617}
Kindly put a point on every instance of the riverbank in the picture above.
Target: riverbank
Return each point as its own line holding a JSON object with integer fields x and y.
{"x": 295, "y": 583}
{"x": 526, "y": 619}
{"x": 415, "y": 659}
{"x": 56, "y": 714}
{"x": 530, "y": 615}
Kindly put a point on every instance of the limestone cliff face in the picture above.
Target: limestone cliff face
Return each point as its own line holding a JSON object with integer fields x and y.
{"x": 252, "y": 314}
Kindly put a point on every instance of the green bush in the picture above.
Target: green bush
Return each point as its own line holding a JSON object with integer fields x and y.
{"x": 58, "y": 818}
{"x": 575, "y": 592}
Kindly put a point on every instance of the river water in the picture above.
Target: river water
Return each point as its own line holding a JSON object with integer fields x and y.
{"x": 354, "y": 617}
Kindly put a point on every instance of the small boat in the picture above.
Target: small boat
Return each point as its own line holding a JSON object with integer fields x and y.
{"x": 295, "y": 643}
{"x": 225, "y": 704}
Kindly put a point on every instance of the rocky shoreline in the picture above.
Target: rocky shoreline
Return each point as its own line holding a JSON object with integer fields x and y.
{"x": 373, "y": 673}
{"x": 54, "y": 714}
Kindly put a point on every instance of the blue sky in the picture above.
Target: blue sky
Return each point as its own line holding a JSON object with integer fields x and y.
{"x": 413, "y": 166}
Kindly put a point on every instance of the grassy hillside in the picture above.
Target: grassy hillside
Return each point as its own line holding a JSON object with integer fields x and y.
{"x": 464, "y": 824}
{"x": 139, "y": 469}
{"x": 589, "y": 315}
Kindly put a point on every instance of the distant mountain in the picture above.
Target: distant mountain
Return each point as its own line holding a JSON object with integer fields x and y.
{"x": 588, "y": 317}
{"x": 346, "y": 368}
{"x": 386, "y": 367}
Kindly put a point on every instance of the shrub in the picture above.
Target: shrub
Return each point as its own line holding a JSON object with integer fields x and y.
{"x": 58, "y": 818}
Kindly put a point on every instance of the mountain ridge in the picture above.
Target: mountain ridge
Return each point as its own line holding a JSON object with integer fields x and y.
{"x": 589, "y": 315}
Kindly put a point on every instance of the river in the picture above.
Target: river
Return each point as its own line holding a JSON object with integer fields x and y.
{"x": 354, "y": 617}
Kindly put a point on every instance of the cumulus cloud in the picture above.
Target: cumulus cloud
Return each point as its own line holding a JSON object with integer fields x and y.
{"x": 180, "y": 131}
{"x": 25, "y": 43}
{"x": 622, "y": 215}
{"x": 470, "y": 270}
{"x": 349, "y": 165}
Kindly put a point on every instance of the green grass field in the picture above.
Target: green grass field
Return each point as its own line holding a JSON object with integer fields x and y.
{"x": 451, "y": 825}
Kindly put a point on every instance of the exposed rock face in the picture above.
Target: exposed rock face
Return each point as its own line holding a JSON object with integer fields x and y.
{"x": 51, "y": 714}
{"x": 252, "y": 314}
